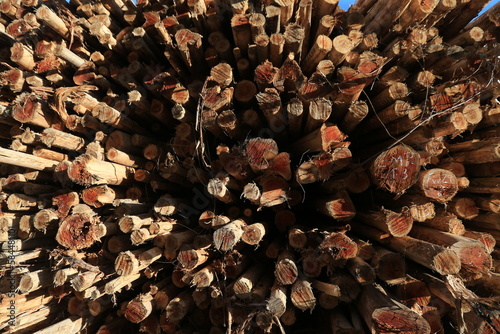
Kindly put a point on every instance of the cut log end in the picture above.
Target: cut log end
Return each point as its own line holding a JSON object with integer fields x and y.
{"x": 386, "y": 320}
{"x": 78, "y": 172}
{"x": 286, "y": 272}
{"x": 438, "y": 184}
{"x": 397, "y": 169}
{"x": 259, "y": 151}
{"x": 340, "y": 246}
{"x": 78, "y": 231}
{"x": 446, "y": 262}
{"x": 399, "y": 224}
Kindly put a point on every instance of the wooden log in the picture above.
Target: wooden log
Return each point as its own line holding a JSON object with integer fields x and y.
{"x": 129, "y": 263}
{"x": 420, "y": 208}
{"x": 269, "y": 103}
{"x": 294, "y": 37}
{"x": 491, "y": 203}
{"x": 259, "y": 151}
{"x": 289, "y": 76}
{"x": 442, "y": 8}
{"x": 413, "y": 291}
{"x": 98, "y": 196}
{"x": 338, "y": 246}
{"x": 340, "y": 324}
{"x": 485, "y": 220}
{"x": 297, "y": 237}
{"x": 446, "y": 222}
{"x": 416, "y": 12}
{"x": 396, "y": 169}
{"x": 358, "y": 110}
{"x": 84, "y": 123}
{"x": 226, "y": 237}
{"x": 123, "y": 158}
{"x": 23, "y": 56}
{"x": 87, "y": 170}
{"x": 217, "y": 188}
{"x": 286, "y": 11}
{"x": 21, "y": 202}
{"x": 325, "y": 8}
{"x": 396, "y": 224}
{"x": 341, "y": 46}
{"x": 360, "y": 270}
{"x": 244, "y": 285}
{"x": 325, "y": 138}
{"x": 286, "y": 270}
{"x": 174, "y": 240}
{"x": 139, "y": 308}
{"x": 118, "y": 283}
{"x": 72, "y": 325}
{"x": 280, "y": 166}
{"x": 380, "y": 20}
{"x": 380, "y": 312}
{"x": 489, "y": 153}
{"x": 85, "y": 280}
{"x": 486, "y": 185}
{"x": 438, "y": 184}
{"x": 486, "y": 239}
{"x": 389, "y": 266}
{"x": 178, "y": 307}
{"x": 45, "y": 219}
{"x": 191, "y": 258}
{"x": 204, "y": 277}
{"x": 141, "y": 236}
{"x": 64, "y": 275}
{"x": 338, "y": 206}
{"x": 472, "y": 253}
{"x": 319, "y": 50}
{"x": 349, "y": 289}
{"x": 275, "y": 307}
{"x": 424, "y": 253}
{"x": 319, "y": 112}
{"x": 79, "y": 230}
{"x": 468, "y": 11}
{"x": 253, "y": 233}
{"x": 302, "y": 296}
{"x": 35, "y": 280}
{"x": 41, "y": 152}
{"x": 26, "y": 160}
{"x": 276, "y": 49}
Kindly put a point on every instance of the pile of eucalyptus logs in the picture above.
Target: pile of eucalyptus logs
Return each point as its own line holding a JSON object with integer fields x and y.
{"x": 246, "y": 166}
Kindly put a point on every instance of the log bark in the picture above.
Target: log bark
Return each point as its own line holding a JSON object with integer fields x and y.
{"x": 472, "y": 253}
{"x": 397, "y": 224}
{"x": 427, "y": 254}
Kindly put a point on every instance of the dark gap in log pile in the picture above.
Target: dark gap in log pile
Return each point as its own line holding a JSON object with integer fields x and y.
{"x": 246, "y": 166}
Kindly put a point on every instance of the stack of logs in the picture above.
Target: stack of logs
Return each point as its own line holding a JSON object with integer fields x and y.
{"x": 242, "y": 166}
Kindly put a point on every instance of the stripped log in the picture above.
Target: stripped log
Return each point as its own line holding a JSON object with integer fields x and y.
{"x": 380, "y": 312}
{"x": 472, "y": 253}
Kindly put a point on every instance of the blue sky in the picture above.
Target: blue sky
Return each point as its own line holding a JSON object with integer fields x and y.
{"x": 344, "y": 4}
